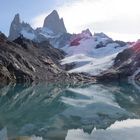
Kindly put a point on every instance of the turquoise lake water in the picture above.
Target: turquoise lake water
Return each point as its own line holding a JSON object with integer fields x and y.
{"x": 51, "y": 111}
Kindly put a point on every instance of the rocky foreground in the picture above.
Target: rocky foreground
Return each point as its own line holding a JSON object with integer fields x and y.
{"x": 23, "y": 61}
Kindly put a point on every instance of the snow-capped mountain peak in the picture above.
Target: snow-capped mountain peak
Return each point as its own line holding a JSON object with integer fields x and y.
{"x": 92, "y": 54}
{"x": 76, "y": 38}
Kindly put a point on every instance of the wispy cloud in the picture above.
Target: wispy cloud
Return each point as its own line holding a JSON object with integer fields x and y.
{"x": 38, "y": 20}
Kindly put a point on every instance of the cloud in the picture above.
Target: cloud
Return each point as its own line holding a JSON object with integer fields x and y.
{"x": 38, "y": 21}
{"x": 114, "y": 16}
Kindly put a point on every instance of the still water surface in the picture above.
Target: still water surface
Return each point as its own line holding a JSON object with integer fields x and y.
{"x": 64, "y": 112}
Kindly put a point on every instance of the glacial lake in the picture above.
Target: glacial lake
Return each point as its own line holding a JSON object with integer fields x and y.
{"x": 70, "y": 112}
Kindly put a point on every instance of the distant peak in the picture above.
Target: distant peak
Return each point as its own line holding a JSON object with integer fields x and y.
{"x": 17, "y": 18}
{"x": 87, "y": 31}
{"x": 101, "y": 34}
{"x": 54, "y": 12}
{"x": 54, "y": 23}
{"x": 17, "y": 15}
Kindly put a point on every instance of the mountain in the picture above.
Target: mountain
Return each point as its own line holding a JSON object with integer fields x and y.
{"x": 88, "y": 53}
{"x": 53, "y": 27}
{"x": 55, "y": 32}
{"x": 86, "y": 43}
{"x": 126, "y": 64}
{"x": 96, "y": 51}
{"x": 17, "y": 28}
{"x": 91, "y": 54}
{"x": 25, "y": 61}
{"x": 54, "y": 23}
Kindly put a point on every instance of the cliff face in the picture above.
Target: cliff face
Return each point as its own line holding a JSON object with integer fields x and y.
{"x": 17, "y": 28}
{"x": 24, "y": 61}
{"x": 54, "y": 23}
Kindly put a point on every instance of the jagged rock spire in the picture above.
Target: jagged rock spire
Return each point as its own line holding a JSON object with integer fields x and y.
{"x": 15, "y": 27}
{"x": 19, "y": 28}
{"x": 54, "y": 23}
{"x": 17, "y": 19}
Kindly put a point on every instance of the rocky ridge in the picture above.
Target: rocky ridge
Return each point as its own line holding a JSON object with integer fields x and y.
{"x": 24, "y": 61}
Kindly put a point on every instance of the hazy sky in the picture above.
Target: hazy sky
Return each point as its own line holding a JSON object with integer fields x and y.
{"x": 120, "y": 19}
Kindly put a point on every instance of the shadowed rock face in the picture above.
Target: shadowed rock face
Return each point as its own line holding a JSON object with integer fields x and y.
{"x": 24, "y": 61}
{"x": 15, "y": 27}
{"x": 54, "y": 23}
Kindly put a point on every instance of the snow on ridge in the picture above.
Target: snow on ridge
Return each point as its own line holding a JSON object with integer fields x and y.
{"x": 28, "y": 35}
{"x": 94, "y": 46}
{"x": 97, "y": 59}
{"x": 85, "y": 34}
{"x": 76, "y": 58}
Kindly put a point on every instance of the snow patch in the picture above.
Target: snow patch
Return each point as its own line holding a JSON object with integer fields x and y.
{"x": 76, "y": 58}
{"x": 90, "y": 59}
{"x": 96, "y": 66}
{"x": 28, "y": 35}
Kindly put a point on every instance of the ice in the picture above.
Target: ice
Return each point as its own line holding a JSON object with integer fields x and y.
{"x": 96, "y": 66}
{"x": 89, "y": 59}
{"x": 76, "y": 58}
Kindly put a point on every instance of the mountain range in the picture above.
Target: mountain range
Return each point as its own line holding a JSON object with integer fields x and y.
{"x": 77, "y": 56}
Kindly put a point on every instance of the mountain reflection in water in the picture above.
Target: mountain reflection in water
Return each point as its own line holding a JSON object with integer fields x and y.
{"x": 58, "y": 112}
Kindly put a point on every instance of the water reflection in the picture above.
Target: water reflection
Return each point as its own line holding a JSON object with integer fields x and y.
{"x": 52, "y": 111}
{"x": 129, "y": 129}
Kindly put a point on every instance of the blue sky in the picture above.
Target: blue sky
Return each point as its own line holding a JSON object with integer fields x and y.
{"x": 120, "y": 19}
